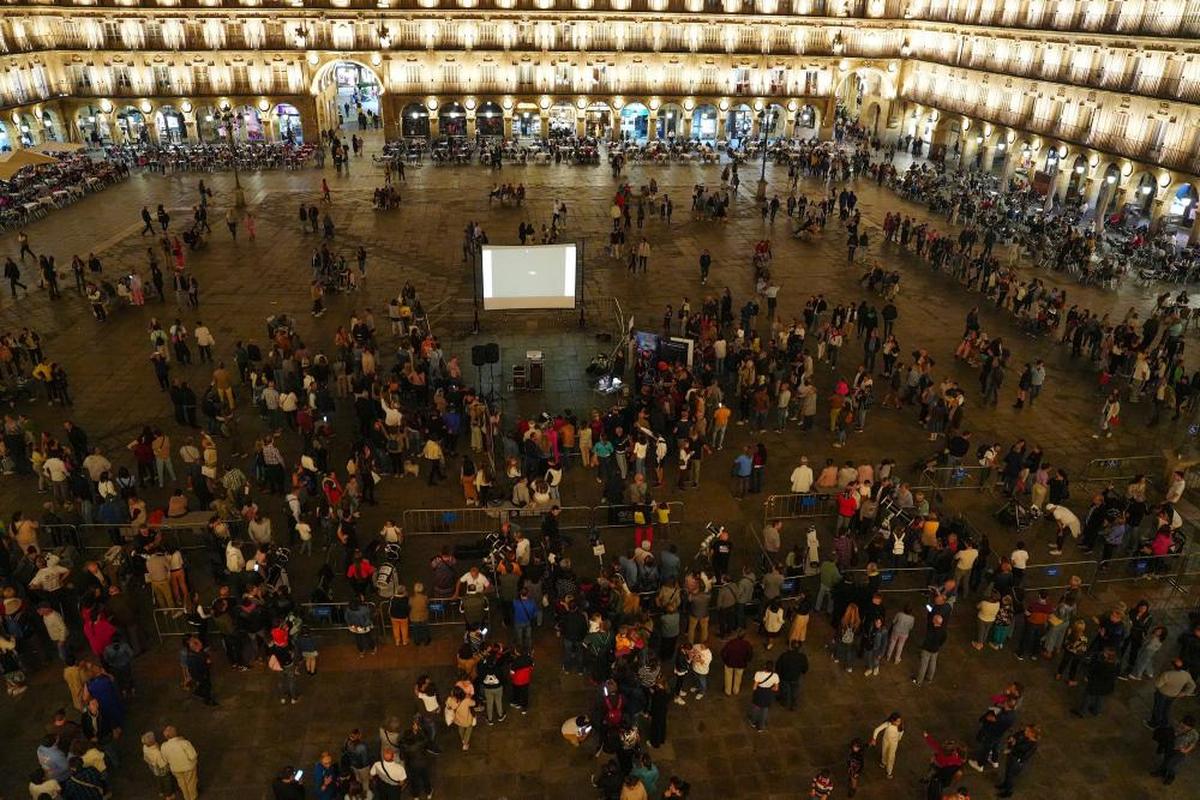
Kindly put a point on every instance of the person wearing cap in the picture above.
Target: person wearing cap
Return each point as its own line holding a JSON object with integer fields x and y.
{"x": 281, "y": 658}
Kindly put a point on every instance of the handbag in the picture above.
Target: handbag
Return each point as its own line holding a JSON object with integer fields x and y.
{"x": 274, "y": 665}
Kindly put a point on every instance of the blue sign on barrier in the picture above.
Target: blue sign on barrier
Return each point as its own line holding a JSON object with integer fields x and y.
{"x": 1052, "y": 572}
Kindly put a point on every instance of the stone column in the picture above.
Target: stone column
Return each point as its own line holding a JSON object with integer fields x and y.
{"x": 652, "y": 126}
{"x": 544, "y": 124}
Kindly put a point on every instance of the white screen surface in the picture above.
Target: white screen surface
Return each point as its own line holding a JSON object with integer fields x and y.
{"x": 528, "y": 277}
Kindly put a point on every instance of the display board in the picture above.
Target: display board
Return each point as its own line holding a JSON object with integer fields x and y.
{"x": 540, "y": 276}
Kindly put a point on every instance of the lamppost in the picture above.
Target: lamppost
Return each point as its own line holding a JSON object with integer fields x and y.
{"x": 227, "y": 116}
{"x": 1052, "y": 159}
{"x": 766, "y": 122}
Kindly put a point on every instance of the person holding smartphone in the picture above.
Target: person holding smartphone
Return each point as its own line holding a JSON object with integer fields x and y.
{"x": 288, "y": 785}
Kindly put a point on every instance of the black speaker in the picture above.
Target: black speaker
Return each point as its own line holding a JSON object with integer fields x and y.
{"x": 479, "y": 355}
{"x": 491, "y": 353}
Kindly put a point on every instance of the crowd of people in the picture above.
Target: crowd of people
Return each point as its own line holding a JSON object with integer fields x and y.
{"x": 638, "y": 627}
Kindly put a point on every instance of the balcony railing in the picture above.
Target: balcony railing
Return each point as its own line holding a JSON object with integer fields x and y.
{"x": 1179, "y": 158}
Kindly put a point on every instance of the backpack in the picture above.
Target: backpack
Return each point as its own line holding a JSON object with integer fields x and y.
{"x": 848, "y": 636}
{"x": 613, "y": 712}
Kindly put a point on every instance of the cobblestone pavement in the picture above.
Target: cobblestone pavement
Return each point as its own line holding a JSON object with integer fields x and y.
{"x": 243, "y": 741}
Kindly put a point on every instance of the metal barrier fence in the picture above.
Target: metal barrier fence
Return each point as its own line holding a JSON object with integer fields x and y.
{"x": 816, "y": 505}
{"x": 962, "y": 476}
{"x": 332, "y": 616}
{"x": 95, "y": 539}
{"x": 1125, "y": 468}
{"x": 897, "y": 580}
{"x": 1058, "y": 576}
{"x": 799, "y": 506}
{"x": 448, "y": 611}
{"x": 171, "y": 622}
{"x": 1139, "y": 567}
{"x": 479, "y": 521}
{"x": 1188, "y": 574}
{"x": 625, "y": 516}
{"x": 58, "y": 535}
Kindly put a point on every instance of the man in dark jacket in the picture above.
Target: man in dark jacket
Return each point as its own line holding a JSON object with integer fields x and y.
{"x": 791, "y": 666}
{"x": 574, "y": 627}
{"x": 1021, "y": 748}
{"x": 1101, "y": 682}
{"x": 994, "y": 723}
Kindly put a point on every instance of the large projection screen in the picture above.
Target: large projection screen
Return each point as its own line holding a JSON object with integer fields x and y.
{"x": 528, "y": 277}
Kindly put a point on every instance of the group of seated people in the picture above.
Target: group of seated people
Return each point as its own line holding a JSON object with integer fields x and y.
{"x": 507, "y": 193}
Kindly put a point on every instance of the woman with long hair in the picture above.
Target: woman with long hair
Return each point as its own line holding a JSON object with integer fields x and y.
{"x": 847, "y": 633}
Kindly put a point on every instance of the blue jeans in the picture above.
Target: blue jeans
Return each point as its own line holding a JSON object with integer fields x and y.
{"x": 1092, "y": 703}
{"x": 572, "y": 660}
{"x": 701, "y": 682}
{"x": 1160, "y": 714}
{"x": 823, "y": 594}
{"x": 523, "y": 636}
{"x": 758, "y": 716}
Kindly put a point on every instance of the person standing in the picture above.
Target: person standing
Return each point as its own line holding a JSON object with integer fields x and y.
{"x": 389, "y": 774}
{"x": 1101, "y": 682}
{"x": 1171, "y": 684}
{"x": 766, "y": 686}
{"x": 281, "y": 658}
{"x": 791, "y": 666}
{"x": 1184, "y": 738}
{"x": 199, "y": 669}
{"x": 736, "y": 655}
{"x": 935, "y": 638}
{"x": 460, "y": 712}
{"x": 855, "y": 762}
{"x": 157, "y": 762}
{"x": 1021, "y": 748}
{"x": 183, "y": 761}
{"x": 888, "y": 733}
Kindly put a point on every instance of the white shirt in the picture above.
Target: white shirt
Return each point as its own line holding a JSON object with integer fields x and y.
{"x": 480, "y": 581}
{"x": 802, "y": 479}
{"x": 204, "y": 338}
{"x": 55, "y": 469}
{"x": 766, "y": 679}
{"x": 523, "y": 552}
{"x": 49, "y": 578}
{"x": 1019, "y": 558}
{"x": 1066, "y": 517}
{"x": 179, "y": 753}
{"x": 891, "y": 733}
{"x": 235, "y": 561}
{"x": 389, "y": 772}
{"x": 1174, "y": 491}
{"x": 701, "y": 660}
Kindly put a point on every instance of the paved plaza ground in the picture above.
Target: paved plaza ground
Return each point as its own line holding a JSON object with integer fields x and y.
{"x": 249, "y": 736}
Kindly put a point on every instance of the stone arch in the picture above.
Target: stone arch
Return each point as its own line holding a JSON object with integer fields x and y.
{"x": 324, "y": 73}
{"x": 871, "y": 116}
{"x": 1181, "y": 201}
{"x": 489, "y": 119}
{"x": 1143, "y": 192}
